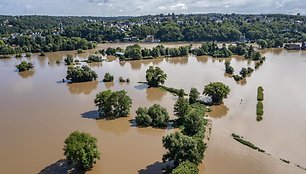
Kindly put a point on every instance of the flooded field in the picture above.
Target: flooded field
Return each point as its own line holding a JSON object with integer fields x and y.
{"x": 38, "y": 111}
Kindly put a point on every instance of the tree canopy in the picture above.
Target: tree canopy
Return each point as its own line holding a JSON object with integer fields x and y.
{"x": 81, "y": 74}
{"x": 193, "y": 95}
{"x": 113, "y": 104}
{"x": 155, "y": 76}
{"x": 182, "y": 148}
{"x": 24, "y": 66}
{"x": 186, "y": 167}
{"x": 155, "y": 116}
{"x": 217, "y": 91}
{"x": 81, "y": 150}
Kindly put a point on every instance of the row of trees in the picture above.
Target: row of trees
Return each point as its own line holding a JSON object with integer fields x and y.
{"x": 49, "y": 43}
{"x": 135, "y": 52}
{"x": 186, "y": 148}
{"x": 211, "y": 49}
{"x": 200, "y": 27}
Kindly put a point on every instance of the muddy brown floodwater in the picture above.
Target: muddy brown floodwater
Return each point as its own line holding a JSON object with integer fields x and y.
{"x": 38, "y": 111}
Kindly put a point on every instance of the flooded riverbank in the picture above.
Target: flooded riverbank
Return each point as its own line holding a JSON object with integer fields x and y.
{"x": 38, "y": 111}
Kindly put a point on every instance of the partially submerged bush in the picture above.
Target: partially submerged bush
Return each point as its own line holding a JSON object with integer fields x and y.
{"x": 69, "y": 60}
{"x": 24, "y": 66}
{"x": 237, "y": 77}
{"x": 108, "y": 77}
{"x": 94, "y": 58}
{"x": 28, "y": 55}
{"x": 81, "y": 74}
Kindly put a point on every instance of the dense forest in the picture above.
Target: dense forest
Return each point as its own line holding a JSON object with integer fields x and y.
{"x": 48, "y": 33}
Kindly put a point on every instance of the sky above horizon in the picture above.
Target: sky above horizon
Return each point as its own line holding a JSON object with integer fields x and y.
{"x": 144, "y": 7}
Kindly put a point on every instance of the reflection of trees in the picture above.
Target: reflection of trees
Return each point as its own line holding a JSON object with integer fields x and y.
{"x": 178, "y": 60}
{"x": 95, "y": 64}
{"x": 82, "y": 88}
{"x": 202, "y": 59}
{"x": 157, "y": 61}
{"x": 155, "y": 94}
{"x": 135, "y": 65}
{"x": 276, "y": 51}
{"x": 242, "y": 82}
{"x": 219, "y": 111}
{"x": 26, "y": 74}
{"x": 116, "y": 126}
{"x": 109, "y": 84}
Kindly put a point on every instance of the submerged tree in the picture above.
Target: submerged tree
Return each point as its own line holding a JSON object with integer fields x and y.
{"x": 155, "y": 76}
{"x": 24, "y": 66}
{"x": 155, "y": 116}
{"x": 217, "y": 91}
{"x": 113, "y": 104}
{"x": 108, "y": 77}
{"x": 81, "y": 150}
{"x": 69, "y": 60}
{"x": 81, "y": 74}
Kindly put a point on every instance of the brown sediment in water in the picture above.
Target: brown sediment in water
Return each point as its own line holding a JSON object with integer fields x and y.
{"x": 38, "y": 113}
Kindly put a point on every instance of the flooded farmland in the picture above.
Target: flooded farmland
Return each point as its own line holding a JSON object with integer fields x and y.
{"x": 38, "y": 111}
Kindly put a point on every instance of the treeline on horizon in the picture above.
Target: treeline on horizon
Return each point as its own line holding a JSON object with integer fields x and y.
{"x": 53, "y": 33}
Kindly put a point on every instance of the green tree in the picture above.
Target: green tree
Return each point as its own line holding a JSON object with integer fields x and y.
{"x": 228, "y": 68}
{"x": 155, "y": 116}
{"x": 68, "y": 60}
{"x": 193, "y": 95}
{"x": 181, "y": 109}
{"x": 182, "y": 148}
{"x": 113, "y": 104}
{"x": 194, "y": 123}
{"x": 262, "y": 43}
{"x": 159, "y": 115}
{"x": 186, "y": 167}
{"x": 95, "y": 58}
{"x": 81, "y": 74}
{"x": 24, "y": 66}
{"x": 110, "y": 51}
{"x": 142, "y": 118}
{"x": 155, "y": 76}
{"x": 108, "y": 77}
{"x": 217, "y": 91}
{"x": 81, "y": 150}
{"x": 243, "y": 72}
{"x": 133, "y": 52}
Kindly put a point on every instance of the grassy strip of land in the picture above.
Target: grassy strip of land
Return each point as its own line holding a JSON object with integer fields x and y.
{"x": 259, "y": 106}
{"x": 259, "y": 110}
{"x": 260, "y": 94}
{"x": 247, "y": 143}
{"x": 174, "y": 91}
{"x": 241, "y": 140}
{"x": 178, "y": 92}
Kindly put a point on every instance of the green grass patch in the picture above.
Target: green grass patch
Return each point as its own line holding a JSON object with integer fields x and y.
{"x": 246, "y": 143}
{"x": 260, "y": 94}
{"x": 259, "y": 108}
{"x": 178, "y": 92}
